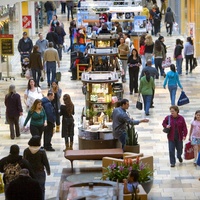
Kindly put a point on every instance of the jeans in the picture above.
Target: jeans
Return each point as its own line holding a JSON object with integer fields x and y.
{"x": 59, "y": 49}
{"x": 172, "y": 91}
{"x": 133, "y": 79}
{"x": 147, "y": 102}
{"x": 178, "y": 145}
{"x": 49, "y": 16}
{"x": 48, "y": 133}
{"x": 36, "y": 130}
{"x": 63, "y": 6}
{"x": 124, "y": 67}
{"x": 41, "y": 178}
{"x": 51, "y": 69}
{"x": 122, "y": 139}
{"x": 158, "y": 64}
{"x": 36, "y": 75}
{"x": 143, "y": 59}
{"x": 189, "y": 59}
{"x": 14, "y": 122}
{"x": 69, "y": 9}
{"x": 179, "y": 65}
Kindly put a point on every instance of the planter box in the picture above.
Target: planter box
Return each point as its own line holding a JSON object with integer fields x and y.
{"x": 133, "y": 149}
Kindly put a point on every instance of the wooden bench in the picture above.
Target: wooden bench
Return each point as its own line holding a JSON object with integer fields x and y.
{"x": 92, "y": 154}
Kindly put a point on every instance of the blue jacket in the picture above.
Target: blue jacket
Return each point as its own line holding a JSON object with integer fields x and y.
{"x": 172, "y": 79}
{"x": 49, "y": 109}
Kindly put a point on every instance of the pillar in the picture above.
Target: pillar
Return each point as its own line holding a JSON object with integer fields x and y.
{"x": 197, "y": 29}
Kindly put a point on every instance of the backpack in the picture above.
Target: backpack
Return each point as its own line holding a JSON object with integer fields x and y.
{"x": 11, "y": 172}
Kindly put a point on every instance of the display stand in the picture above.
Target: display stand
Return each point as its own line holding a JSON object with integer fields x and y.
{"x": 100, "y": 101}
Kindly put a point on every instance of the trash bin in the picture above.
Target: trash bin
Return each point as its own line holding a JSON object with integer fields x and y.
{"x": 135, "y": 39}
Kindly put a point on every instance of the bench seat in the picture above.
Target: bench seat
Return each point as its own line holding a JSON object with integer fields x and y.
{"x": 92, "y": 154}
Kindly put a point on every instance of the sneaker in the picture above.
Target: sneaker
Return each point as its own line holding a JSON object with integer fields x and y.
{"x": 180, "y": 160}
{"x": 173, "y": 165}
{"x": 131, "y": 93}
{"x": 152, "y": 106}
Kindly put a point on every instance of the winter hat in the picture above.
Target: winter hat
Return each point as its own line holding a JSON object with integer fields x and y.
{"x": 34, "y": 141}
{"x": 14, "y": 149}
{"x": 160, "y": 37}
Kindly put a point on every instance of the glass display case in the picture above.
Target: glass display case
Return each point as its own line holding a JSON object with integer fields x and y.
{"x": 100, "y": 99}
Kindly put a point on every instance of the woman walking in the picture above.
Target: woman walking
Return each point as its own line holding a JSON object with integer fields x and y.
{"x": 178, "y": 55}
{"x": 36, "y": 64}
{"x": 172, "y": 79}
{"x": 38, "y": 118}
{"x": 149, "y": 45}
{"x": 37, "y": 158}
{"x": 159, "y": 56}
{"x": 134, "y": 63}
{"x": 142, "y": 50}
{"x": 147, "y": 86}
{"x": 13, "y": 111}
{"x": 67, "y": 111}
{"x": 169, "y": 20}
{"x": 56, "y": 102}
{"x": 31, "y": 93}
{"x": 178, "y": 133}
{"x": 189, "y": 53}
{"x": 195, "y": 135}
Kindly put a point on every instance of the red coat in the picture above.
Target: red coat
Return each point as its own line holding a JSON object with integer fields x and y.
{"x": 181, "y": 126}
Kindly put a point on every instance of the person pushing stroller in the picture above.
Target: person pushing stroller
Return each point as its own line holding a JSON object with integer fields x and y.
{"x": 25, "y": 47}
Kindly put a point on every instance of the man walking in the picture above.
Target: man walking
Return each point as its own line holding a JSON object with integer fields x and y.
{"x": 123, "y": 50}
{"x": 51, "y": 119}
{"x": 42, "y": 44}
{"x": 121, "y": 119}
{"x": 51, "y": 57}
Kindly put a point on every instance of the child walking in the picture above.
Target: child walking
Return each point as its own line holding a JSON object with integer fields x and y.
{"x": 194, "y": 136}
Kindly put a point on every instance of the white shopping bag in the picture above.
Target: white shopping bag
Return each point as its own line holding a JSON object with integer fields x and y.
{"x": 23, "y": 130}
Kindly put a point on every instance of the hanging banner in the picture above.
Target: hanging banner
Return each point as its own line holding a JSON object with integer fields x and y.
{"x": 6, "y": 44}
{"x": 26, "y": 21}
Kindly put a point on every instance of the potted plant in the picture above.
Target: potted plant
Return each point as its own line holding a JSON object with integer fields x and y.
{"x": 115, "y": 172}
{"x": 132, "y": 140}
{"x": 109, "y": 112}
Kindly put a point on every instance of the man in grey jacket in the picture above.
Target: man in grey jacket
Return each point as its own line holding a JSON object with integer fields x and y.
{"x": 121, "y": 119}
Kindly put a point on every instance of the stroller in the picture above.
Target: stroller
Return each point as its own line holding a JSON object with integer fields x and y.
{"x": 24, "y": 64}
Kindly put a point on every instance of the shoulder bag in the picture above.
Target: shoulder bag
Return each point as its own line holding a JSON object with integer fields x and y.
{"x": 139, "y": 102}
{"x": 167, "y": 130}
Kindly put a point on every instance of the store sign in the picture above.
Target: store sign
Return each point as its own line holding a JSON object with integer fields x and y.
{"x": 26, "y": 21}
{"x": 6, "y": 44}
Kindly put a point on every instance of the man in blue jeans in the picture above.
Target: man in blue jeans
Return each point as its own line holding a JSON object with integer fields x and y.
{"x": 51, "y": 57}
{"x": 120, "y": 119}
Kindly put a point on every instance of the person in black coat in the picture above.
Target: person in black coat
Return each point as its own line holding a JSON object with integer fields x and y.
{"x": 13, "y": 111}
{"x": 37, "y": 157}
{"x": 25, "y": 46}
{"x": 14, "y": 158}
{"x": 51, "y": 119}
{"x": 53, "y": 37}
{"x": 23, "y": 188}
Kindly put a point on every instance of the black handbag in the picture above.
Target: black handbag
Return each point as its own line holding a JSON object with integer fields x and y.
{"x": 139, "y": 102}
{"x": 167, "y": 130}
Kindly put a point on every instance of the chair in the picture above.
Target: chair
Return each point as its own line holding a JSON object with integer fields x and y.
{"x": 79, "y": 72}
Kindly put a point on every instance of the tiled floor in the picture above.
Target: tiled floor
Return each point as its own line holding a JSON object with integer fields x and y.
{"x": 176, "y": 183}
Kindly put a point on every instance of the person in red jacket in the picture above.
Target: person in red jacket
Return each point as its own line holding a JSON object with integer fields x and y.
{"x": 178, "y": 133}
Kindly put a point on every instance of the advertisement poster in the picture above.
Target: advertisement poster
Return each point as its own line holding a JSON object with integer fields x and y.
{"x": 140, "y": 24}
{"x": 191, "y": 29}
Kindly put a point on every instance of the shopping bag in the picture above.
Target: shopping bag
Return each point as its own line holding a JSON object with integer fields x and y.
{"x": 26, "y": 129}
{"x": 1, "y": 185}
{"x": 166, "y": 63}
{"x": 195, "y": 64}
{"x": 142, "y": 50}
{"x": 183, "y": 99}
{"x": 188, "y": 151}
{"x": 58, "y": 76}
{"x": 152, "y": 60}
{"x": 139, "y": 103}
